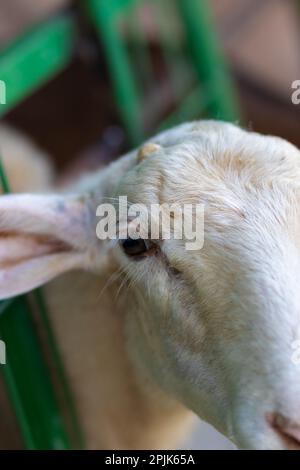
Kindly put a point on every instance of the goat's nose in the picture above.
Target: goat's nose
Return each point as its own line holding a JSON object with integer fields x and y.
{"x": 286, "y": 429}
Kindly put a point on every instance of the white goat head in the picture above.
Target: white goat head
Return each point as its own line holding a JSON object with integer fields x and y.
{"x": 214, "y": 327}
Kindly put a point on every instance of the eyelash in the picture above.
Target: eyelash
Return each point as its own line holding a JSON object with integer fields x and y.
{"x": 140, "y": 248}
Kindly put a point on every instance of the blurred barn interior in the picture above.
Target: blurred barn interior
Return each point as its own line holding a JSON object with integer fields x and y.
{"x": 75, "y": 112}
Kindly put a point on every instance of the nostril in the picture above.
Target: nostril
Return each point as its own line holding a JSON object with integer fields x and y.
{"x": 288, "y": 431}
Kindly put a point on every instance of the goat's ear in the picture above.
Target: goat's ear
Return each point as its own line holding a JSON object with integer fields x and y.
{"x": 41, "y": 237}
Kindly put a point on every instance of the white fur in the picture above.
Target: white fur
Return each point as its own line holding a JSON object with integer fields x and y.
{"x": 217, "y": 337}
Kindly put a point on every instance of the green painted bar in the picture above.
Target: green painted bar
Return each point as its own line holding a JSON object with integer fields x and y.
{"x": 208, "y": 59}
{"x": 205, "y": 58}
{"x": 105, "y": 15}
{"x": 28, "y": 383}
{"x": 35, "y": 58}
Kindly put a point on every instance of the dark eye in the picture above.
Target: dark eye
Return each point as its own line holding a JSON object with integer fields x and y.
{"x": 138, "y": 248}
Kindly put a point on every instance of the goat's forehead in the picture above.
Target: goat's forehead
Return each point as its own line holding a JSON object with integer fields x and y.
{"x": 222, "y": 162}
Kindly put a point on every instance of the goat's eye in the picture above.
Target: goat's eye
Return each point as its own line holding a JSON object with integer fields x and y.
{"x": 137, "y": 248}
